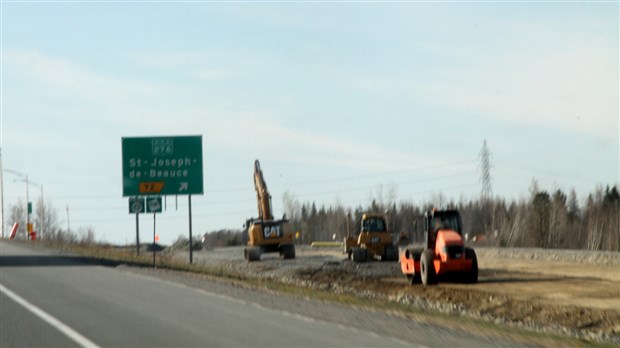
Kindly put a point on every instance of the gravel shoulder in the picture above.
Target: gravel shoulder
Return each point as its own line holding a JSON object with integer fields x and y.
{"x": 568, "y": 293}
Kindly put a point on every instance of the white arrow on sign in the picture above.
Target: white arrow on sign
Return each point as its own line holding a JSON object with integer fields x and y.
{"x": 183, "y": 186}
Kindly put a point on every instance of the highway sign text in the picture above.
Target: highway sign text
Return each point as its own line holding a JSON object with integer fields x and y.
{"x": 162, "y": 165}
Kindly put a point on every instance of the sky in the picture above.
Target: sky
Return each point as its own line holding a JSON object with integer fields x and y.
{"x": 341, "y": 102}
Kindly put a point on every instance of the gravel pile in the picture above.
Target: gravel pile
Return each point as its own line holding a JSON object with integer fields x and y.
{"x": 308, "y": 259}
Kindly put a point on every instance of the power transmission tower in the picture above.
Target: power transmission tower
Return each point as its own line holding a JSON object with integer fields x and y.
{"x": 485, "y": 171}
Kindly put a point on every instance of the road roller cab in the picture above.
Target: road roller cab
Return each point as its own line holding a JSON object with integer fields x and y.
{"x": 443, "y": 254}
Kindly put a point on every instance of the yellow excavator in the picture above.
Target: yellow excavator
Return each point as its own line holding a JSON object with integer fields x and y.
{"x": 264, "y": 234}
{"x": 374, "y": 239}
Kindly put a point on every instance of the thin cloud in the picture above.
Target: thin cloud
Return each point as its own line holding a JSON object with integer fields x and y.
{"x": 73, "y": 79}
{"x": 225, "y": 128}
{"x": 319, "y": 150}
{"x": 573, "y": 86}
{"x": 213, "y": 74}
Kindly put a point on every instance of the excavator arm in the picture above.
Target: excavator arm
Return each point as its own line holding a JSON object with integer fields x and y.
{"x": 262, "y": 194}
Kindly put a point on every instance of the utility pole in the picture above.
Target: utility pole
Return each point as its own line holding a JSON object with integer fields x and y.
{"x": 68, "y": 226}
{"x": 27, "y": 206}
{"x": 27, "y": 210}
{"x": 1, "y": 198}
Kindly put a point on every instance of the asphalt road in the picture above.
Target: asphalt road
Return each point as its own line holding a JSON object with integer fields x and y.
{"x": 83, "y": 304}
{"x": 51, "y": 300}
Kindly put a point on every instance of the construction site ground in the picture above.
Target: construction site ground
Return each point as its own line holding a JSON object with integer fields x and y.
{"x": 569, "y": 293}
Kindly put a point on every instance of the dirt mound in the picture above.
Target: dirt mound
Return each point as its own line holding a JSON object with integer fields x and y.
{"x": 589, "y": 323}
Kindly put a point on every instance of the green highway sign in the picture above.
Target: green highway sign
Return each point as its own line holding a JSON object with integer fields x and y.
{"x": 162, "y": 166}
{"x": 136, "y": 205}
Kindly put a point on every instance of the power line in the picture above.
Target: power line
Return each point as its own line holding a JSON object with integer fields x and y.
{"x": 250, "y": 213}
{"x": 303, "y": 183}
{"x": 383, "y": 174}
{"x": 320, "y": 193}
{"x": 349, "y": 178}
{"x": 397, "y": 184}
{"x": 299, "y": 183}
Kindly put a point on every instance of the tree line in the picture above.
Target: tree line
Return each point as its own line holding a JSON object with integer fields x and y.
{"x": 545, "y": 219}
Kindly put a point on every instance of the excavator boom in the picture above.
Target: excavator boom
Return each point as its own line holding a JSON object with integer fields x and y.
{"x": 262, "y": 194}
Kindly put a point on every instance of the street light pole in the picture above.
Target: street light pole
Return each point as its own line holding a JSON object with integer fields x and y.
{"x": 68, "y": 226}
{"x": 27, "y": 203}
{"x": 1, "y": 198}
{"x": 24, "y": 178}
{"x": 27, "y": 210}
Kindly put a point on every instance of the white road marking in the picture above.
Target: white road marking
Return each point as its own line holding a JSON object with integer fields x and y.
{"x": 60, "y": 326}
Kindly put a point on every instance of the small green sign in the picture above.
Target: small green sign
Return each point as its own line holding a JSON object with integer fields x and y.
{"x": 29, "y": 207}
{"x": 136, "y": 205}
{"x": 153, "y": 205}
{"x": 162, "y": 166}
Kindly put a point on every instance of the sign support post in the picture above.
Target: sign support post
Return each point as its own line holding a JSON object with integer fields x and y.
{"x": 136, "y": 205}
{"x": 191, "y": 243}
{"x": 154, "y": 215}
{"x": 137, "y": 234}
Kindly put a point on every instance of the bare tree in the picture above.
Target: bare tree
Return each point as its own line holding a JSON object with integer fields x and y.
{"x": 516, "y": 234}
{"x": 438, "y": 200}
{"x": 45, "y": 219}
{"x": 392, "y": 194}
{"x": 87, "y": 235}
{"x": 291, "y": 206}
{"x": 17, "y": 216}
{"x": 593, "y": 222}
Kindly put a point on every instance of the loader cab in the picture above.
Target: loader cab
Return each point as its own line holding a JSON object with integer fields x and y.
{"x": 372, "y": 223}
{"x": 436, "y": 220}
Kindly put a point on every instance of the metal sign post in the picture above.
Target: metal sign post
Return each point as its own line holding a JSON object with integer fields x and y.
{"x": 154, "y": 215}
{"x": 136, "y": 205}
{"x": 191, "y": 243}
{"x": 137, "y": 234}
{"x": 153, "y": 205}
